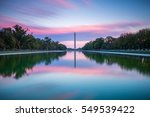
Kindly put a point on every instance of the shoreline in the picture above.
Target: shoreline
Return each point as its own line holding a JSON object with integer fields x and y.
{"x": 2, "y": 53}
{"x": 118, "y": 53}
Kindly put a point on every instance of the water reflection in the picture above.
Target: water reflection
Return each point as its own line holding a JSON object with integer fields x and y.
{"x": 74, "y": 75}
{"x": 74, "y": 58}
{"x": 18, "y": 65}
{"x": 139, "y": 64}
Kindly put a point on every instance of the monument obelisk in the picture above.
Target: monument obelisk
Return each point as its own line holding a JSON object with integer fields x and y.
{"x": 74, "y": 40}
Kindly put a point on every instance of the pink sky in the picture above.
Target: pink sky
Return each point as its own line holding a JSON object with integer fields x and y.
{"x": 89, "y": 18}
{"x": 70, "y": 44}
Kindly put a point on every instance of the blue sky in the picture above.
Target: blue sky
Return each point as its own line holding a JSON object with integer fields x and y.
{"x": 89, "y": 18}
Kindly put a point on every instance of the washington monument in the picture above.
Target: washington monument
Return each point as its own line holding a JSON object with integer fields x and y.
{"x": 74, "y": 40}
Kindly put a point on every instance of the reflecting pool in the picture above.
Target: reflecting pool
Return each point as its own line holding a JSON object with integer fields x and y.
{"x": 74, "y": 75}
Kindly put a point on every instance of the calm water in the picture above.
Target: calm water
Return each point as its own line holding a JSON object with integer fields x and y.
{"x": 74, "y": 75}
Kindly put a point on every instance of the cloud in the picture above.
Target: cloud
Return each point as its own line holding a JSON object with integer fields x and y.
{"x": 61, "y": 3}
{"x": 33, "y": 13}
{"x": 88, "y": 28}
{"x": 29, "y": 8}
{"x": 39, "y": 17}
{"x": 85, "y": 33}
{"x": 7, "y": 21}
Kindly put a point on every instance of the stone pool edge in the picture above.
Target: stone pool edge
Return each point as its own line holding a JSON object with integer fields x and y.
{"x": 118, "y": 53}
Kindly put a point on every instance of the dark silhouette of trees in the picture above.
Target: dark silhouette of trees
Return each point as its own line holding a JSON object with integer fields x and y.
{"x": 132, "y": 41}
{"x": 17, "y": 38}
{"x": 97, "y": 44}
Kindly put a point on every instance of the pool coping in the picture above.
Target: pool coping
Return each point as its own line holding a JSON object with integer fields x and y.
{"x": 28, "y": 52}
{"x": 119, "y": 53}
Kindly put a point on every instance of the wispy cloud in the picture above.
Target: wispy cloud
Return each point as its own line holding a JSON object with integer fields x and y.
{"x": 60, "y": 18}
{"x": 7, "y": 21}
{"x": 61, "y": 3}
{"x": 125, "y": 26}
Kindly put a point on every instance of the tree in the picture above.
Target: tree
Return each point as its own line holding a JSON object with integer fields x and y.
{"x": 8, "y": 38}
{"x": 98, "y": 43}
{"x": 18, "y": 38}
{"x": 20, "y": 35}
{"x": 138, "y": 40}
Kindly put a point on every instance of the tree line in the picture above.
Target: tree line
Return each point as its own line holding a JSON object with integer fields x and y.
{"x": 16, "y": 38}
{"x": 139, "y": 40}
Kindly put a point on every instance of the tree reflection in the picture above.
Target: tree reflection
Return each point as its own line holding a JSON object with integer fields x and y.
{"x": 17, "y": 65}
{"x": 140, "y": 64}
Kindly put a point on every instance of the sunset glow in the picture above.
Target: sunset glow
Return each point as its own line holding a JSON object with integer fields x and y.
{"x": 91, "y": 19}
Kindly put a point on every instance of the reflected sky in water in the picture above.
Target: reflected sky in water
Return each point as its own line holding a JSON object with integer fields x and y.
{"x": 74, "y": 75}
